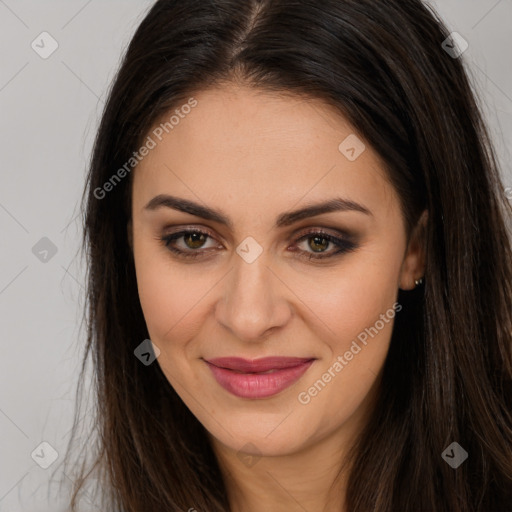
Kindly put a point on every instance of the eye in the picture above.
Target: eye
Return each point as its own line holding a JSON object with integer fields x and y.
{"x": 192, "y": 240}
{"x": 319, "y": 241}
{"x": 192, "y": 243}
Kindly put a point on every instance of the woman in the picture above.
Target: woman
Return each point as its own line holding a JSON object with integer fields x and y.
{"x": 299, "y": 266}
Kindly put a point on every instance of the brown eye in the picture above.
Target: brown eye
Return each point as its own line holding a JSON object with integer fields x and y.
{"x": 187, "y": 243}
{"x": 318, "y": 242}
{"x": 191, "y": 243}
{"x": 194, "y": 240}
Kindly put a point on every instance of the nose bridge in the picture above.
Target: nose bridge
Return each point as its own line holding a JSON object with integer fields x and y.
{"x": 253, "y": 300}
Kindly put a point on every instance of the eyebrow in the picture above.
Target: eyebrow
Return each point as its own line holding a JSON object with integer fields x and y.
{"x": 337, "y": 204}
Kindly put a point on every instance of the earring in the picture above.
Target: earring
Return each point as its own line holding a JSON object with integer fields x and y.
{"x": 417, "y": 282}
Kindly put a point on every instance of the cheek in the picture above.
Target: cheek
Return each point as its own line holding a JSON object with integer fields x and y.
{"x": 169, "y": 294}
{"x": 356, "y": 309}
{"x": 346, "y": 302}
{"x": 173, "y": 312}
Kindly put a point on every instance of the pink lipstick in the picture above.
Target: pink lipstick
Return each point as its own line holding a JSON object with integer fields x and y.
{"x": 258, "y": 378}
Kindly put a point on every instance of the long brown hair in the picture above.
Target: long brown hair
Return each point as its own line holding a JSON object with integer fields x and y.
{"x": 448, "y": 374}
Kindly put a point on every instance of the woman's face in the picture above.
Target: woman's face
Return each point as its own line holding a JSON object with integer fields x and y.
{"x": 269, "y": 184}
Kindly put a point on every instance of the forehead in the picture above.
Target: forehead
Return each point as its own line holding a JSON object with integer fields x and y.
{"x": 250, "y": 146}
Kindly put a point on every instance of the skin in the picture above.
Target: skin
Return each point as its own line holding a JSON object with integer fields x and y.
{"x": 253, "y": 156}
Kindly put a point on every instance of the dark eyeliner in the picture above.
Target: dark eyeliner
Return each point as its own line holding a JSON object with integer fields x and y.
{"x": 345, "y": 245}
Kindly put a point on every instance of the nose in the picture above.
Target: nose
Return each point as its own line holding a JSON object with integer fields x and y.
{"x": 254, "y": 300}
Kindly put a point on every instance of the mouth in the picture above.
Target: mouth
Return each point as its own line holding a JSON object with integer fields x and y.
{"x": 259, "y": 378}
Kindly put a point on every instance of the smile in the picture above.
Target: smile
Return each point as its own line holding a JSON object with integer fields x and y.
{"x": 258, "y": 379}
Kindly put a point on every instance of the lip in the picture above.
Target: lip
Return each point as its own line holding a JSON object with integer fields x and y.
{"x": 245, "y": 378}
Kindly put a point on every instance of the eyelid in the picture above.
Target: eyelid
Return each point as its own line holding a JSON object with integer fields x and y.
{"x": 334, "y": 232}
{"x": 343, "y": 241}
{"x": 194, "y": 228}
{"x": 300, "y": 233}
{"x": 183, "y": 231}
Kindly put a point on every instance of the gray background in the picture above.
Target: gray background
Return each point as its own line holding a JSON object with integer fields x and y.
{"x": 49, "y": 112}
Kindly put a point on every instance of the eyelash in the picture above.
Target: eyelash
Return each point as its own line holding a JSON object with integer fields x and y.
{"x": 344, "y": 245}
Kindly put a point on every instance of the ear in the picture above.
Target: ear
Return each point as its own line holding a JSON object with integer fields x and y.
{"x": 413, "y": 266}
{"x": 129, "y": 232}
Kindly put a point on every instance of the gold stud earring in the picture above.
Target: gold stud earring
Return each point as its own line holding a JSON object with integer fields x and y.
{"x": 417, "y": 282}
